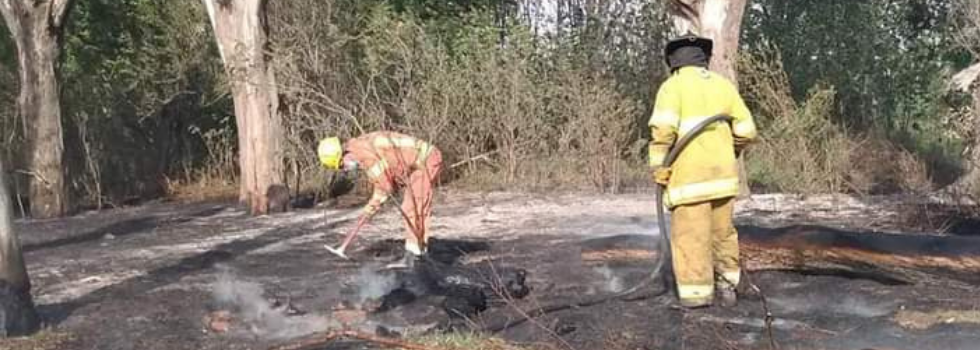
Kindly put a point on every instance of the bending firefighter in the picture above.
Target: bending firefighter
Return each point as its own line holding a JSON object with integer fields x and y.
{"x": 392, "y": 161}
{"x": 702, "y": 183}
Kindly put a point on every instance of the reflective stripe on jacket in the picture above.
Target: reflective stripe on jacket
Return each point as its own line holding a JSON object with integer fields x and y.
{"x": 388, "y": 158}
{"x": 707, "y": 168}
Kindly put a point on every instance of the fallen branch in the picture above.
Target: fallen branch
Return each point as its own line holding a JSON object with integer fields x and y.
{"x": 882, "y": 257}
{"x": 483, "y": 156}
{"x": 326, "y": 338}
{"x": 890, "y": 258}
{"x": 768, "y": 318}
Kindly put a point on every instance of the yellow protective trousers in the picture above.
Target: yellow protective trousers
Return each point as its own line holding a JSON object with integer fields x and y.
{"x": 704, "y": 245}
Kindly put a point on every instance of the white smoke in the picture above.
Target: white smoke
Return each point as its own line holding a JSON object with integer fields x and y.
{"x": 611, "y": 281}
{"x": 252, "y": 313}
{"x": 373, "y": 285}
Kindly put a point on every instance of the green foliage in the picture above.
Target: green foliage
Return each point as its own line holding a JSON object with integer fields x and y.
{"x": 134, "y": 89}
{"x": 520, "y": 110}
{"x": 510, "y": 100}
{"x": 889, "y": 62}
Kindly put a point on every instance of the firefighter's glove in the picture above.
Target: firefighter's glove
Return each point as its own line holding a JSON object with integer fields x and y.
{"x": 370, "y": 210}
{"x": 661, "y": 175}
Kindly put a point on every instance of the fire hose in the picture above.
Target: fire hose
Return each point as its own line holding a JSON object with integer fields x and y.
{"x": 664, "y": 245}
{"x": 668, "y": 161}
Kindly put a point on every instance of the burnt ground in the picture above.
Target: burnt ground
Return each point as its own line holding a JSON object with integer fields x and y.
{"x": 146, "y": 277}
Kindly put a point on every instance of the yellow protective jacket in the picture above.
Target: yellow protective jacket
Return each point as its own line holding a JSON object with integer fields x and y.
{"x": 706, "y": 169}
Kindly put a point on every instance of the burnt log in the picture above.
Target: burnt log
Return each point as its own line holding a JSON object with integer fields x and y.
{"x": 277, "y": 199}
{"x": 467, "y": 289}
{"x": 892, "y": 258}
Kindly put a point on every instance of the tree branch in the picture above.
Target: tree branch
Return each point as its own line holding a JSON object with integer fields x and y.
{"x": 58, "y": 11}
{"x": 7, "y": 9}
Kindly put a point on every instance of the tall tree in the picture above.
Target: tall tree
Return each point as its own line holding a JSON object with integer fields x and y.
{"x": 721, "y": 21}
{"x": 17, "y": 314}
{"x": 36, "y": 27}
{"x": 240, "y": 28}
{"x": 968, "y": 37}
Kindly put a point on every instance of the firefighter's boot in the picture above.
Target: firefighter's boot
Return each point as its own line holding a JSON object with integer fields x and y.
{"x": 407, "y": 261}
{"x": 726, "y": 294}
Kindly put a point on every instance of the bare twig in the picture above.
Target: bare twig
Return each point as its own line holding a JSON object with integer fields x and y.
{"x": 509, "y": 300}
{"x": 483, "y": 156}
{"x": 765, "y": 308}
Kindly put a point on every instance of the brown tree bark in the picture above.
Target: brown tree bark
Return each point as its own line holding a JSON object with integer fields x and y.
{"x": 16, "y": 305}
{"x": 969, "y": 183}
{"x": 36, "y": 27}
{"x": 720, "y": 21}
{"x": 242, "y": 37}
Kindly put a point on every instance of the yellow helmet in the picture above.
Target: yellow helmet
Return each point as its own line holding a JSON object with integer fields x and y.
{"x": 330, "y": 152}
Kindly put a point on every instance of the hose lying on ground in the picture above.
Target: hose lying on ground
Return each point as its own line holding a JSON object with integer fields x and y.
{"x": 664, "y": 247}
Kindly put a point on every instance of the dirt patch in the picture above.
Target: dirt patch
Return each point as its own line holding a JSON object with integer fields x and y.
{"x": 150, "y": 277}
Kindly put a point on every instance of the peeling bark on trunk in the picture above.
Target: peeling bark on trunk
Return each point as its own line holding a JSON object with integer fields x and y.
{"x": 969, "y": 182}
{"x": 241, "y": 33}
{"x": 721, "y": 21}
{"x": 17, "y": 314}
{"x": 36, "y": 27}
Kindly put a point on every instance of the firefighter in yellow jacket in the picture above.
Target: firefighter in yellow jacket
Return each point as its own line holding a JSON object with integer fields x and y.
{"x": 702, "y": 183}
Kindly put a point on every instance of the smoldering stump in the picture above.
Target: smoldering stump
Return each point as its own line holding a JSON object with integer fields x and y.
{"x": 279, "y": 200}
{"x": 467, "y": 289}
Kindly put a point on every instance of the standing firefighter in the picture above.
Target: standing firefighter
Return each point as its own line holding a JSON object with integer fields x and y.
{"x": 393, "y": 161}
{"x": 703, "y": 181}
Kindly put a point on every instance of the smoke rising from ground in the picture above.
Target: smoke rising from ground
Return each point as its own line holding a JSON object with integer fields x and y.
{"x": 373, "y": 285}
{"x": 611, "y": 282}
{"x": 254, "y": 314}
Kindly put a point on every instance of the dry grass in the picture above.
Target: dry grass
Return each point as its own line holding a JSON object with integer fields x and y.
{"x": 44, "y": 340}
{"x": 215, "y": 179}
{"x": 499, "y": 114}
{"x": 803, "y": 150}
{"x": 468, "y": 341}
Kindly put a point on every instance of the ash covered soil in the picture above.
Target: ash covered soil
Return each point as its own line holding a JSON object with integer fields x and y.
{"x": 152, "y": 277}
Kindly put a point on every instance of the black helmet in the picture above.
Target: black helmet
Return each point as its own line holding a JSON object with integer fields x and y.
{"x": 688, "y": 39}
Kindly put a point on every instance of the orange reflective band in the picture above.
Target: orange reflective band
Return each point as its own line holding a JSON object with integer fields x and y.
{"x": 377, "y": 169}
{"x": 424, "y": 149}
{"x": 390, "y": 142}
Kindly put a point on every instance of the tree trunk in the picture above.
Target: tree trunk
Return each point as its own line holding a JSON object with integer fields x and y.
{"x": 969, "y": 182}
{"x": 242, "y": 35}
{"x": 36, "y": 28}
{"x": 720, "y": 21}
{"x": 17, "y": 314}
